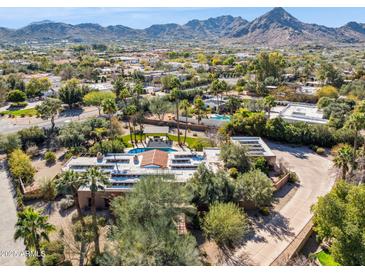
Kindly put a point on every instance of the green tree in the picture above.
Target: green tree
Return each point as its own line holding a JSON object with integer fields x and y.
{"x": 268, "y": 65}
{"x": 36, "y": 86}
{"x": 226, "y": 224}
{"x": 208, "y": 187}
{"x": 32, "y": 135}
{"x": 71, "y": 93}
{"x": 269, "y": 103}
{"x": 329, "y": 75}
{"x": 232, "y": 104}
{"x": 49, "y": 109}
{"x": 159, "y": 106}
{"x": 339, "y": 219}
{"x": 21, "y": 167}
{"x": 198, "y": 107}
{"x": 95, "y": 98}
{"x": 146, "y": 230}
{"x": 254, "y": 187}
{"x": 32, "y": 227}
{"x": 9, "y": 143}
{"x": 95, "y": 180}
{"x": 73, "y": 134}
{"x": 327, "y": 91}
{"x": 118, "y": 85}
{"x": 16, "y": 96}
{"x": 234, "y": 155}
{"x": 170, "y": 82}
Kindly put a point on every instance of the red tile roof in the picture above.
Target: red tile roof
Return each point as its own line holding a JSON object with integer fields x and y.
{"x": 154, "y": 157}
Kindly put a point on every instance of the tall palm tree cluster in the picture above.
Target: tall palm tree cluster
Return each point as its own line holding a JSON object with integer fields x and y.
{"x": 346, "y": 156}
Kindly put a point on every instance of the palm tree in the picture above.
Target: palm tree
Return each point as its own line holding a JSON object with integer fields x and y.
{"x": 175, "y": 96}
{"x": 356, "y": 122}
{"x": 343, "y": 158}
{"x": 185, "y": 106}
{"x": 96, "y": 180}
{"x": 109, "y": 107}
{"x": 129, "y": 111}
{"x": 33, "y": 228}
{"x": 198, "y": 107}
{"x": 68, "y": 183}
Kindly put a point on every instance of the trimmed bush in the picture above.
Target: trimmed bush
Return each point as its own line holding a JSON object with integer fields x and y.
{"x": 50, "y": 157}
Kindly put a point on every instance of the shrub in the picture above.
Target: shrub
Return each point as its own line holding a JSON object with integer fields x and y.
{"x": 20, "y": 167}
{"x": 9, "y": 143}
{"x": 265, "y": 211}
{"x": 32, "y": 261}
{"x": 260, "y": 163}
{"x": 18, "y": 105}
{"x": 327, "y": 91}
{"x": 53, "y": 259}
{"x": 293, "y": 177}
{"x": 233, "y": 172}
{"x": 48, "y": 190}
{"x": 19, "y": 199}
{"x": 53, "y": 247}
{"x": 108, "y": 146}
{"x": 16, "y": 96}
{"x": 197, "y": 145}
{"x": 32, "y": 135}
{"x": 225, "y": 224}
{"x": 54, "y": 251}
{"x": 32, "y": 151}
{"x": 235, "y": 156}
{"x": 67, "y": 203}
{"x": 254, "y": 187}
{"x": 320, "y": 151}
{"x": 50, "y": 157}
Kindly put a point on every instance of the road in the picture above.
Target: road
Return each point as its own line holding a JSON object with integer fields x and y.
{"x": 7, "y": 225}
{"x": 11, "y": 125}
{"x": 274, "y": 233}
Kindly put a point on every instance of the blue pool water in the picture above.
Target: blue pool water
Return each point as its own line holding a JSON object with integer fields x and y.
{"x": 220, "y": 117}
{"x": 143, "y": 149}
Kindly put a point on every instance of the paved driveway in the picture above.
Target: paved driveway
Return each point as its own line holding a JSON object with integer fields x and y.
{"x": 273, "y": 234}
{"x": 7, "y": 222}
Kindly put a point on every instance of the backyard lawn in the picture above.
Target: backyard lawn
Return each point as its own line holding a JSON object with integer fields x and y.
{"x": 21, "y": 112}
{"x": 326, "y": 259}
{"x": 190, "y": 141}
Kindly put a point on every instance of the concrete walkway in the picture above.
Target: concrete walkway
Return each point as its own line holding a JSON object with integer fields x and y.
{"x": 274, "y": 233}
{"x": 8, "y": 220}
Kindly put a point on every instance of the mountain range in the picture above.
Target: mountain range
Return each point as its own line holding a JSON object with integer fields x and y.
{"x": 275, "y": 28}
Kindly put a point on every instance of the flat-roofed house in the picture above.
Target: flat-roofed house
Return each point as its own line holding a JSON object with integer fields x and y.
{"x": 126, "y": 169}
{"x": 255, "y": 147}
{"x": 300, "y": 112}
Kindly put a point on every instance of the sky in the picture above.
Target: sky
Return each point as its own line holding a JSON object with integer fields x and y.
{"x": 144, "y": 17}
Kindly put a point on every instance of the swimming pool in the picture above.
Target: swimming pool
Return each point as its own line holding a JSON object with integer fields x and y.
{"x": 220, "y": 117}
{"x": 143, "y": 149}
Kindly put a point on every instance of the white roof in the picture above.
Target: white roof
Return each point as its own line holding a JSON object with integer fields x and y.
{"x": 303, "y": 112}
